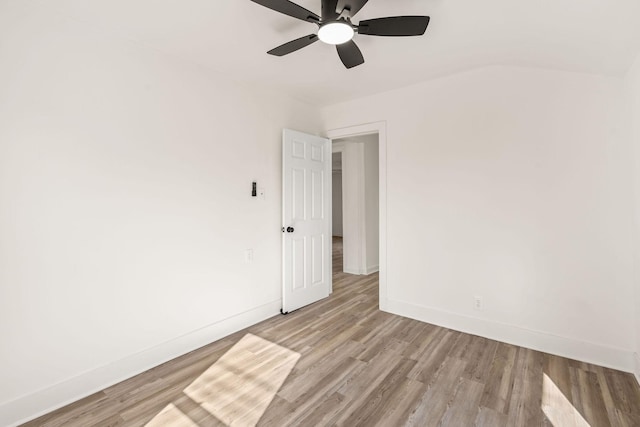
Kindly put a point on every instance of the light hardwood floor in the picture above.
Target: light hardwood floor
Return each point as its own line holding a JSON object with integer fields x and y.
{"x": 350, "y": 364}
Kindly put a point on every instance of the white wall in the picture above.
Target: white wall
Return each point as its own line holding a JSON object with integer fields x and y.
{"x": 336, "y": 194}
{"x": 125, "y": 209}
{"x": 337, "y": 203}
{"x": 514, "y": 185}
{"x": 352, "y": 206}
{"x": 633, "y": 87}
{"x": 371, "y": 201}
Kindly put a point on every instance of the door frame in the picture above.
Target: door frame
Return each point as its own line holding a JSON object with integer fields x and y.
{"x": 366, "y": 129}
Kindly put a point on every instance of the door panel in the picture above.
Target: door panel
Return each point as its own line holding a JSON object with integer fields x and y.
{"x": 316, "y": 153}
{"x": 298, "y": 263}
{"x": 298, "y": 194}
{"x": 317, "y": 195}
{"x": 306, "y": 219}
{"x": 317, "y": 254}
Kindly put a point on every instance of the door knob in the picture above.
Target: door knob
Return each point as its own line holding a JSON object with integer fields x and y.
{"x": 290, "y": 230}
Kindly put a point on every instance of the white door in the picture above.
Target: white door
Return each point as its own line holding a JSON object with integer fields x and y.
{"x": 306, "y": 219}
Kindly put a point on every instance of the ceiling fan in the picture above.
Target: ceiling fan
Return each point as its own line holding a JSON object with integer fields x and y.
{"x": 336, "y": 28}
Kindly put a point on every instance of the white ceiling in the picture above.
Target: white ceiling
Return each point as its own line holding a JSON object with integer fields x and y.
{"x": 232, "y": 36}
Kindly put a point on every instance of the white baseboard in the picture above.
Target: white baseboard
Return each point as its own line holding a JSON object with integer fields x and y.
{"x": 597, "y": 354}
{"x": 360, "y": 272}
{"x": 372, "y": 269}
{"x": 43, "y": 401}
{"x": 636, "y": 358}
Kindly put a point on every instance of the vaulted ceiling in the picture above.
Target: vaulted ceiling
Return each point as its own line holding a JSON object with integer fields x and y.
{"x": 233, "y": 36}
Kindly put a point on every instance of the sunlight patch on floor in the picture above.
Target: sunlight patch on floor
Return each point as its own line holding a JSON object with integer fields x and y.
{"x": 238, "y": 388}
{"x": 171, "y": 416}
{"x": 557, "y": 408}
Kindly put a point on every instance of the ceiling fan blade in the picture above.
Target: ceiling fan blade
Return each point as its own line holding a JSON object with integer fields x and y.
{"x": 294, "y": 45}
{"x": 350, "y": 54}
{"x": 394, "y": 26}
{"x": 289, "y": 8}
{"x": 329, "y": 10}
{"x": 353, "y": 5}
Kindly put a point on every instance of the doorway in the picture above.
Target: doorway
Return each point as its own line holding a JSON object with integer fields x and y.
{"x": 355, "y": 204}
{"x": 297, "y": 278}
{"x": 379, "y": 128}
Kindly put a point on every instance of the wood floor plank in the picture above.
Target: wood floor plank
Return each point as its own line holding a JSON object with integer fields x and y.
{"x": 610, "y": 407}
{"x": 499, "y": 384}
{"x": 525, "y": 407}
{"x": 624, "y": 419}
{"x": 383, "y": 363}
{"x": 307, "y": 380}
{"x": 558, "y": 369}
{"x": 360, "y": 366}
{"x": 379, "y": 400}
{"x": 304, "y": 405}
{"x": 327, "y": 411}
{"x": 624, "y": 390}
{"x": 399, "y": 407}
{"x": 490, "y": 418}
{"x": 435, "y": 401}
{"x": 479, "y": 357}
{"x": 587, "y": 398}
{"x": 465, "y": 405}
{"x": 433, "y": 355}
{"x": 73, "y": 411}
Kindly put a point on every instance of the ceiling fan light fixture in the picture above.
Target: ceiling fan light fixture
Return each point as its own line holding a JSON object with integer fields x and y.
{"x": 336, "y": 33}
